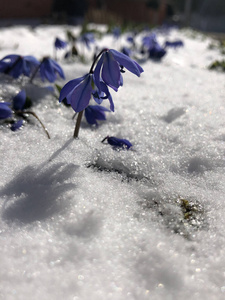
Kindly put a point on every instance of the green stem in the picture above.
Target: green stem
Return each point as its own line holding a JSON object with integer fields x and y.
{"x": 77, "y": 127}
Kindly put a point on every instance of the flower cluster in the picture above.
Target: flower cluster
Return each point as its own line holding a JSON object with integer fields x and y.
{"x": 16, "y": 112}
{"x": 16, "y": 65}
{"x": 107, "y": 73}
{"x": 155, "y": 51}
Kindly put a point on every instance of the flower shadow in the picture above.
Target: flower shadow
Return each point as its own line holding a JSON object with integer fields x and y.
{"x": 37, "y": 193}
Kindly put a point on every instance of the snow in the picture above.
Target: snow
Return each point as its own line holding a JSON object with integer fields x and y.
{"x": 80, "y": 220}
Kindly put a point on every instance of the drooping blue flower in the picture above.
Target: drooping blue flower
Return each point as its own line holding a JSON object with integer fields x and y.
{"x": 155, "y": 51}
{"x": 5, "y": 110}
{"x": 78, "y": 92}
{"x": 116, "y": 31}
{"x": 109, "y": 68}
{"x": 87, "y": 38}
{"x": 174, "y": 44}
{"x": 95, "y": 112}
{"x": 16, "y": 65}
{"x": 16, "y": 125}
{"x": 107, "y": 73}
{"x": 19, "y": 100}
{"x": 130, "y": 39}
{"x": 149, "y": 41}
{"x": 60, "y": 44}
{"x": 49, "y": 70}
{"x": 116, "y": 142}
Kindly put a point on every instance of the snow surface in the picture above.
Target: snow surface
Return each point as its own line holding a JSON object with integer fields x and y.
{"x": 80, "y": 220}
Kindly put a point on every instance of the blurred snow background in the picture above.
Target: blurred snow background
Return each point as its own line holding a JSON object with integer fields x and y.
{"x": 80, "y": 220}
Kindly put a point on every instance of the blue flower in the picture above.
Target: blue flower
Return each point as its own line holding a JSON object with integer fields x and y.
{"x": 110, "y": 65}
{"x": 78, "y": 92}
{"x": 59, "y": 44}
{"x": 19, "y": 100}
{"x": 116, "y": 142}
{"x": 107, "y": 72}
{"x": 49, "y": 68}
{"x": 130, "y": 39}
{"x": 155, "y": 51}
{"x": 5, "y": 110}
{"x": 16, "y": 125}
{"x": 174, "y": 44}
{"x": 87, "y": 39}
{"x": 116, "y": 31}
{"x": 16, "y": 65}
{"x": 95, "y": 112}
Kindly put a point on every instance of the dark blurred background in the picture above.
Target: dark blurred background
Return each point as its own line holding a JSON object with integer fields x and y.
{"x": 205, "y": 15}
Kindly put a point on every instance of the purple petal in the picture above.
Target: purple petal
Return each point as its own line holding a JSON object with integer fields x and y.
{"x": 97, "y": 72}
{"x": 79, "y": 98}
{"x": 47, "y": 71}
{"x": 69, "y": 87}
{"x": 58, "y": 69}
{"x": 105, "y": 90}
{"x": 122, "y": 143}
{"x": 19, "y": 100}
{"x": 5, "y": 110}
{"x": 15, "y": 126}
{"x": 111, "y": 71}
{"x": 127, "y": 62}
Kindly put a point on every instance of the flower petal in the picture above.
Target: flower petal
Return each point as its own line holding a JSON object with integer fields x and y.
{"x": 69, "y": 87}
{"x": 79, "y": 98}
{"x": 19, "y": 100}
{"x": 5, "y": 110}
{"x": 105, "y": 90}
{"x": 15, "y": 126}
{"x": 127, "y": 62}
{"x": 116, "y": 142}
{"x": 111, "y": 71}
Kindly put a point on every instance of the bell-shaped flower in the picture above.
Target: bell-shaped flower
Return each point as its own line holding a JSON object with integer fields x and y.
{"x": 149, "y": 41}
{"x": 16, "y": 125}
{"x": 174, "y": 44}
{"x": 16, "y": 65}
{"x": 19, "y": 100}
{"x": 87, "y": 38}
{"x": 78, "y": 92}
{"x": 116, "y": 31}
{"x": 116, "y": 142}
{"x": 95, "y": 112}
{"x": 59, "y": 44}
{"x": 5, "y": 110}
{"x": 155, "y": 51}
{"x": 49, "y": 70}
{"x": 110, "y": 65}
{"x": 130, "y": 39}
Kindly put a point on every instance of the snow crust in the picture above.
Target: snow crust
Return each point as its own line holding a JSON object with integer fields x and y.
{"x": 80, "y": 220}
